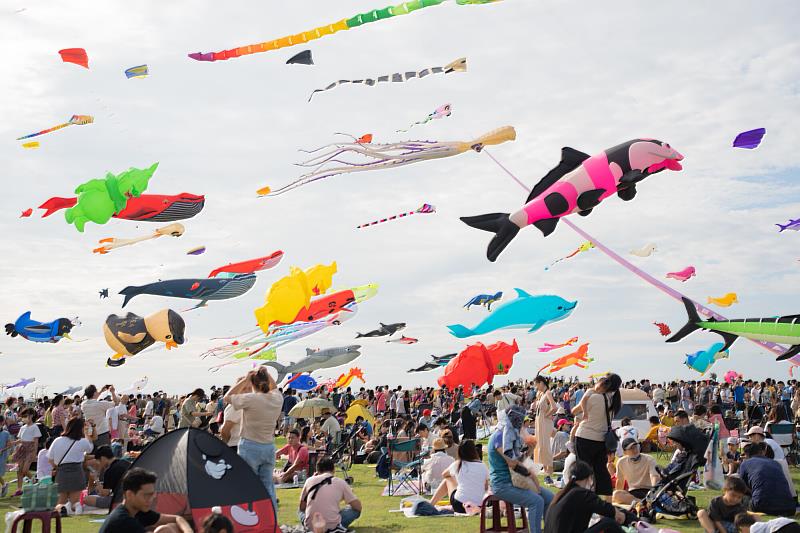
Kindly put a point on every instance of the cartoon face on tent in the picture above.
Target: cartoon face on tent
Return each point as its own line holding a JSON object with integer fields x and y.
{"x": 197, "y": 472}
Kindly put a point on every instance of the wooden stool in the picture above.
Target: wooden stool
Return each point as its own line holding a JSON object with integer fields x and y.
{"x": 45, "y": 516}
{"x": 511, "y": 520}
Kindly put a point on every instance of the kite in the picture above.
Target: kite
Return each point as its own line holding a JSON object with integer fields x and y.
{"x": 332, "y": 303}
{"x": 585, "y": 247}
{"x": 249, "y": 266}
{"x": 424, "y": 209}
{"x": 130, "y": 334}
{"x": 31, "y": 145}
{"x": 198, "y": 250}
{"x": 599, "y": 375}
{"x": 793, "y": 225}
{"x": 783, "y": 329}
{"x": 364, "y": 139}
{"x": 434, "y": 363}
{"x": 140, "y": 71}
{"x": 384, "y": 330}
{"x": 749, "y": 139}
{"x": 683, "y": 275}
{"x": 731, "y": 376}
{"x": 302, "y": 58}
{"x": 71, "y": 390}
{"x": 344, "y": 380}
{"x": 577, "y": 185}
{"x": 22, "y": 383}
{"x": 344, "y": 24}
{"x": 459, "y": 65}
{"x": 485, "y": 300}
{"x": 663, "y": 329}
{"x": 77, "y": 56}
{"x": 136, "y": 387}
{"x": 175, "y": 229}
{"x": 646, "y": 251}
{"x": 103, "y": 293}
{"x": 28, "y": 212}
{"x": 404, "y": 340}
{"x": 203, "y": 289}
{"x": 525, "y": 311}
{"x": 704, "y": 359}
{"x": 144, "y": 208}
{"x": 381, "y": 156}
{"x": 36, "y": 331}
{"x": 578, "y": 358}
{"x": 478, "y": 364}
{"x": 302, "y": 382}
{"x": 442, "y": 111}
{"x": 547, "y": 347}
{"x": 317, "y": 360}
{"x": 725, "y": 301}
{"x": 76, "y": 120}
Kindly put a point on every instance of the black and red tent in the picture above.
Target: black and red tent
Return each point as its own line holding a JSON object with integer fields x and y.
{"x": 196, "y": 471}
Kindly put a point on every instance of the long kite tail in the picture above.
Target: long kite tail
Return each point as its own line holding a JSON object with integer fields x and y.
{"x": 48, "y": 130}
{"x": 426, "y": 208}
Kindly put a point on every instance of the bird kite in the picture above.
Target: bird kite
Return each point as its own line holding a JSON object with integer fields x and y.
{"x": 646, "y": 251}
{"x": 382, "y": 156}
{"x": 77, "y": 56}
{"x": 435, "y": 362}
{"x": 31, "y": 145}
{"x": 442, "y": 111}
{"x": 75, "y": 120}
{"x": 175, "y": 229}
{"x": 36, "y": 331}
{"x": 725, "y": 301}
{"x": 303, "y": 58}
{"x": 585, "y": 247}
{"x": 344, "y": 24}
{"x": 578, "y": 358}
{"x": 577, "y": 185}
{"x": 197, "y": 250}
{"x": 478, "y": 364}
{"x": 130, "y": 334}
{"x": 749, "y": 139}
{"x": 663, "y": 329}
{"x": 547, "y": 347}
{"x": 144, "y": 208}
{"x": 459, "y": 65}
{"x": 683, "y": 275}
{"x": 28, "y": 212}
{"x": 344, "y": 380}
{"x": 404, "y": 340}
{"x": 140, "y": 71}
{"x": 423, "y": 209}
{"x": 485, "y": 300}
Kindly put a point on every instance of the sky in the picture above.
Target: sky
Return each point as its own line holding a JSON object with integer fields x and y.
{"x": 585, "y": 75}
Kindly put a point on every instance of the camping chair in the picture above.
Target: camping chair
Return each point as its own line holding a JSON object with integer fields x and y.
{"x": 404, "y": 457}
{"x": 784, "y": 429}
{"x": 664, "y": 446}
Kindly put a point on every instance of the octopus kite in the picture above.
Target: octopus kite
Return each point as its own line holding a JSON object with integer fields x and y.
{"x": 383, "y": 156}
{"x": 424, "y": 209}
{"x": 345, "y": 24}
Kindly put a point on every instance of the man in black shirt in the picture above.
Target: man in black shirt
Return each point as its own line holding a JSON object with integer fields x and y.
{"x": 134, "y": 514}
{"x": 111, "y": 472}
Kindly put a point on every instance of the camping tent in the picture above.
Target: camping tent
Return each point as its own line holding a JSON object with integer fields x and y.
{"x": 196, "y": 471}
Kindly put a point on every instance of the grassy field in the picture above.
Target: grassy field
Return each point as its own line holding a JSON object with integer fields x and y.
{"x": 376, "y": 517}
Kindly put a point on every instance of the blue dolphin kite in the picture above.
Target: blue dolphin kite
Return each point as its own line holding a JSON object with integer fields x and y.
{"x": 704, "y": 359}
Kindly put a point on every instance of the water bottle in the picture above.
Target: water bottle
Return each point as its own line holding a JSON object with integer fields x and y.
{"x": 296, "y": 480}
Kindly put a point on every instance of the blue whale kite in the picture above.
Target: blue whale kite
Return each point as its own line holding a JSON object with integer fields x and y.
{"x": 525, "y": 311}
{"x": 203, "y": 289}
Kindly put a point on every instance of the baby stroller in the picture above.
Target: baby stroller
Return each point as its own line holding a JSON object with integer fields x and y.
{"x": 670, "y": 495}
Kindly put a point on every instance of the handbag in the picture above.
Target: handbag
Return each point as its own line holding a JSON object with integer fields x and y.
{"x": 611, "y": 438}
{"x": 55, "y": 468}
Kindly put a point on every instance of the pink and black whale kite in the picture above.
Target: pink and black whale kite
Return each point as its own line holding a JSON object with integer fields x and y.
{"x": 577, "y": 185}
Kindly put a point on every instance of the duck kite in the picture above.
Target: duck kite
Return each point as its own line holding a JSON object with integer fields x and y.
{"x": 485, "y": 300}
{"x": 175, "y": 229}
{"x": 547, "y": 347}
{"x": 329, "y": 162}
{"x": 423, "y": 209}
{"x": 749, "y": 139}
{"x": 443, "y": 111}
{"x": 344, "y": 24}
{"x": 683, "y": 275}
{"x": 76, "y": 120}
{"x": 478, "y": 364}
{"x": 577, "y": 185}
{"x": 130, "y": 334}
{"x": 578, "y": 358}
{"x": 36, "y": 331}
{"x": 77, "y": 56}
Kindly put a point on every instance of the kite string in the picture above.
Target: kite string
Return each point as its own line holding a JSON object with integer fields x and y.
{"x": 669, "y": 291}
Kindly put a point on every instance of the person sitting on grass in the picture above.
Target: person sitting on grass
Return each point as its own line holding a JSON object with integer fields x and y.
{"x": 321, "y": 496}
{"x": 768, "y": 486}
{"x": 721, "y": 513}
{"x": 134, "y": 515}
{"x": 638, "y": 470}
{"x": 297, "y": 456}
{"x": 732, "y": 458}
{"x": 748, "y": 523}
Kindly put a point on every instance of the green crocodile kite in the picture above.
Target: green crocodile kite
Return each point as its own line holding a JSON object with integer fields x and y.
{"x": 782, "y": 330}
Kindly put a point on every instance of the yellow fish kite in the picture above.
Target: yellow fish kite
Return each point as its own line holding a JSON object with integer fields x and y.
{"x": 725, "y": 301}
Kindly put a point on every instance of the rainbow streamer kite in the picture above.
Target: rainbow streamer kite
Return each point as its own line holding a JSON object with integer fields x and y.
{"x": 76, "y": 120}
{"x": 425, "y": 208}
{"x": 345, "y": 24}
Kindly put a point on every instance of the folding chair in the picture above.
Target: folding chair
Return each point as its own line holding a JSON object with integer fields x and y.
{"x": 777, "y": 430}
{"x": 664, "y": 447}
{"x": 405, "y": 459}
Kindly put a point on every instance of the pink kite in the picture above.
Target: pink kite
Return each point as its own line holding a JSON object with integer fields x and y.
{"x": 731, "y": 376}
{"x": 548, "y": 347}
{"x": 683, "y": 275}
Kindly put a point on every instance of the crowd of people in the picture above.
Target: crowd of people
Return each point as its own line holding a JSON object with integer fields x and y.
{"x": 548, "y": 447}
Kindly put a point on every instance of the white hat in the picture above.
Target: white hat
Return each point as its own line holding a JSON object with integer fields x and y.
{"x": 733, "y": 440}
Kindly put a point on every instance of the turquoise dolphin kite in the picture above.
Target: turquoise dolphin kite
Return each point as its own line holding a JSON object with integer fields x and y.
{"x": 525, "y": 311}
{"x": 704, "y": 359}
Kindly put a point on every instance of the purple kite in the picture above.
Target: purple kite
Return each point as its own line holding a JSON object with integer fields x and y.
{"x": 21, "y": 383}
{"x": 749, "y": 139}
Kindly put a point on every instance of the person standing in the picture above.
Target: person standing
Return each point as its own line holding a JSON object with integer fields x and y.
{"x": 27, "y": 444}
{"x": 94, "y": 411}
{"x": 190, "y": 411}
{"x": 545, "y": 409}
{"x": 257, "y": 396}
{"x": 59, "y": 415}
{"x": 66, "y": 455}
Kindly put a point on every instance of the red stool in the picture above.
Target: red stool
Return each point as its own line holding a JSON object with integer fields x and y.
{"x": 511, "y": 520}
{"x": 45, "y": 516}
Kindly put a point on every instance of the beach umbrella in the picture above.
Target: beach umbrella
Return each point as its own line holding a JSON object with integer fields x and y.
{"x": 311, "y": 408}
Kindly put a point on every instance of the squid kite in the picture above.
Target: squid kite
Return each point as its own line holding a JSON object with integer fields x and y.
{"x": 382, "y": 156}
{"x": 585, "y": 247}
{"x": 549, "y": 347}
{"x": 424, "y": 209}
{"x": 76, "y": 120}
{"x": 459, "y": 65}
{"x": 77, "y": 56}
{"x": 442, "y": 111}
{"x": 579, "y": 358}
{"x": 111, "y": 243}
{"x": 345, "y": 24}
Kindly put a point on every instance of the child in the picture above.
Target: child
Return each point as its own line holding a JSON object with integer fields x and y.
{"x": 216, "y": 522}
{"x": 6, "y": 443}
{"x": 732, "y": 458}
{"x": 27, "y": 445}
{"x": 723, "y": 510}
{"x": 44, "y": 470}
{"x": 748, "y": 523}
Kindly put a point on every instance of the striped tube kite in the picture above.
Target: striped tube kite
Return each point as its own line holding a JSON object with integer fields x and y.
{"x": 76, "y": 120}
{"x": 425, "y": 208}
{"x": 345, "y": 24}
{"x": 381, "y": 156}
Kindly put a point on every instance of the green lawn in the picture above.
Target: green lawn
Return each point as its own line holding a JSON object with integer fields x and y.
{"x": 376, "y": 517}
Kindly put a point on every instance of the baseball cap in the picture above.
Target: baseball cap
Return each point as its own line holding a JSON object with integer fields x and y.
{"x": 426, "y": 412}
{"x": 563, "y": 421}
{"x": 627, "y": 443}
{"x": 755, "y": 430}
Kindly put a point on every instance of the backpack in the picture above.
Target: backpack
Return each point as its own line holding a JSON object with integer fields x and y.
{"x": 382, "y": 469}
